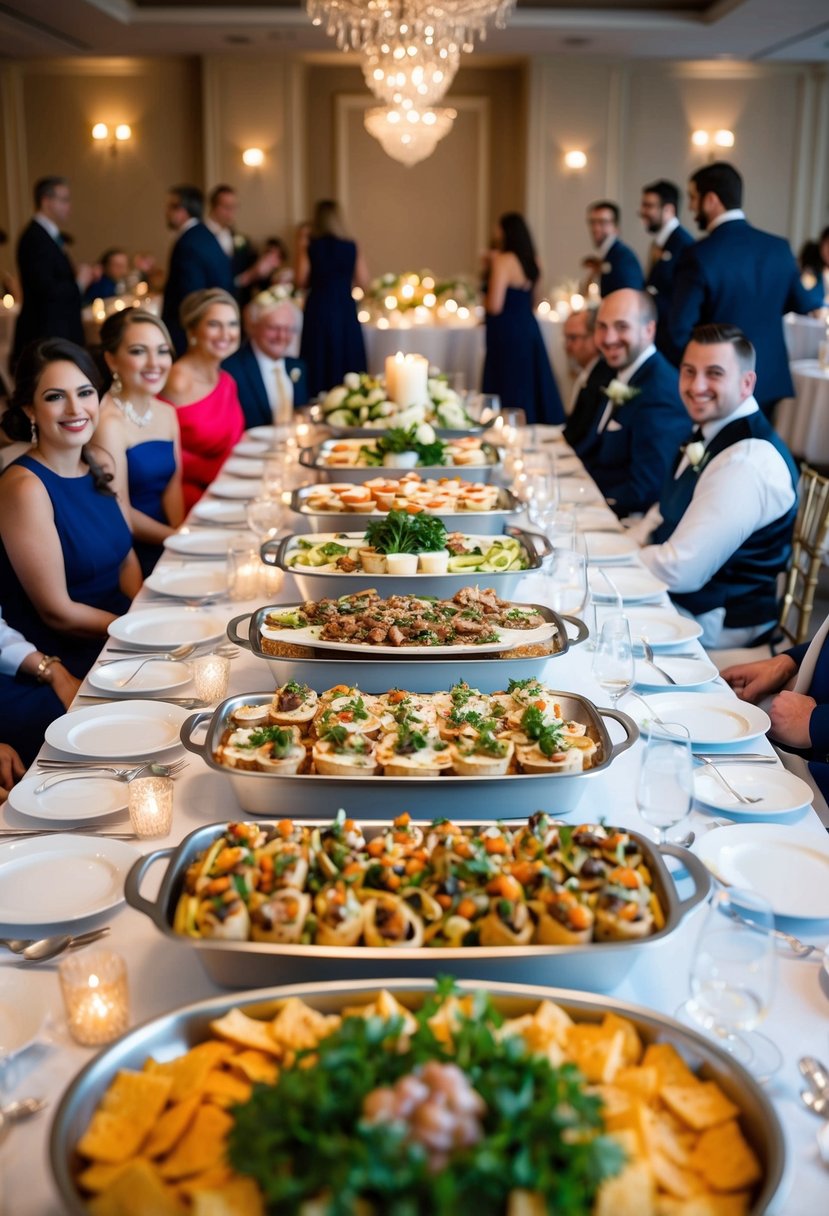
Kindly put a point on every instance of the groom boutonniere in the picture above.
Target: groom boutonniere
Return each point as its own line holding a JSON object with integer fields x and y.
{"x": 295, "y": 374}
{"x": 697, "y": 454}
{"x": 619, "y": 393}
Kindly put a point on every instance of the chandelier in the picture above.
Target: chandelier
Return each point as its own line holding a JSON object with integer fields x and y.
{"x": 408, "y": 135}
{"x": 397, "y": 69}
{"x": 358, "y": 23}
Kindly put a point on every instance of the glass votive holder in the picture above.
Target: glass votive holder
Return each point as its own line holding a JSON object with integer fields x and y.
{"x": 271, "y": 580}
{"x": 243, "y": 569}
{"x": 95, "y": 996}
{"x": 211, "y": 675}
{"x": 151, "y": 806}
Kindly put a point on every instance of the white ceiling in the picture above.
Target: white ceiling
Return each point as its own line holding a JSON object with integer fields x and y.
{"x": 759, "y": 30}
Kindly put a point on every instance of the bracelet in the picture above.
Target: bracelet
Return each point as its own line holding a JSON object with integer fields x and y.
{"x": 45, "y": 663}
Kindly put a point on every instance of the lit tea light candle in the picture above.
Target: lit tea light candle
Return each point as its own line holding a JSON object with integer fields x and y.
{"x": 95, "y": 996}
{"x": 411, "y": 380}
{"x": 151, "y": 804}
{"x": 211, "y": 674}
{"x": 243, "y": 570}
{"x": 271, "y": 580}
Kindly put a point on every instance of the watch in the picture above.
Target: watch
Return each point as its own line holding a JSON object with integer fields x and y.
{"x": 44, "y": 664}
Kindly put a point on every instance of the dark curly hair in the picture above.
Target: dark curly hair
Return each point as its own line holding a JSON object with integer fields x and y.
{"x": 517, "y": 240}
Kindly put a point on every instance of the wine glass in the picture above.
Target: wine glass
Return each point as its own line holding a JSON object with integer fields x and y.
{"x": 733, "y": 976}
{"x": 265, "y": 516}
{"x": 613, "y": 666}
{"x": 565, "y": 581}
{"x": 666, "y": 782}
{"x": 543, "y": 496}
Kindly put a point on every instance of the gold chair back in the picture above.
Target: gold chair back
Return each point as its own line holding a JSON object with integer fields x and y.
{"x": 808, "y": 543}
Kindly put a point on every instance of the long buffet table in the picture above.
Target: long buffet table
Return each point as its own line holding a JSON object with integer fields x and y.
{"x": 163, "y": 975}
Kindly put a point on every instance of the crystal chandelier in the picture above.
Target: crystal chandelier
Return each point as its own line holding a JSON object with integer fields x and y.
{"x": 408, "y": 135}
{"x": 357, "y": 23}
{"x": 397, "y": 69}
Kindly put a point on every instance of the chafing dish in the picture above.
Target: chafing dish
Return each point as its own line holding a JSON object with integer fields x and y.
{"x": 483, "y": 523}
{"x": 309, "y": 458}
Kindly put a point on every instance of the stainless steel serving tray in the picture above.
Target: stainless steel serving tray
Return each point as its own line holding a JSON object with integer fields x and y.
{"x": 374, "y": 432}
{"x": 414, "y": 670}
{"x": 306, "y": 795}
{"x": 596, "y": 967}
{"x": 316, "y": 584}
{"x": 309, "y": 459}
{"x": 482, "y": 523}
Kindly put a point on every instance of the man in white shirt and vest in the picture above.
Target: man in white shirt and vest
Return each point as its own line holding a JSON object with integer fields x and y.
{"x": 270, "y": 382}
{"x": 721, "y": 533}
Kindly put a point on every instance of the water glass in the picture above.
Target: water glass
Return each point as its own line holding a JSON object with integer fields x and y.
{"x": 613, "y": 665}
{"x": 565, "y": 581}
{"x": 542, "y": 502}
{"x": 666, "y": 781}
{"x": 243, "y": 568}
{"x": 560, "y": 529}
{"x": 265, "y": 516}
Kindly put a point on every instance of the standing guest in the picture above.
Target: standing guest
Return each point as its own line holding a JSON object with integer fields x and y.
{"x": 615, "y": 265}
{"x": 209, "y": 414}
{"x": 823, "y": 275}
{"x": 67, "y": 568}
{"x": 247, "y": 269}
{"x": 329, "y": 264}
{"x": 631, "y": 443}
{"x": 35, "y": 688}
{"x": 111, "y": 277}
{"x": 739, "y": 276}
{"x": 197, "y": 260}
{"x": 721, "y": 553}
{"x": 659, "y": 211}
{"x": 592, "y": 374}
{"x": 517, "y": 366}
{"x": 50, "y": 284}
{"x": 140, "y": 431}
{"x": 270, "y": 383}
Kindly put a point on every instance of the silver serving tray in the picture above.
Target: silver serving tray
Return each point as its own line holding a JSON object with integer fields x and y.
{"x": 413, "y": 670}
{"x": 374, "y": 432}
{"x": 482, "y": 523}
{"x": 309, "y": 795}
{"x": 596, "y": 967}
{"x": 315, "y": 584}
{"x": 309, "y": 459}
{"x": 174, "y": 1033}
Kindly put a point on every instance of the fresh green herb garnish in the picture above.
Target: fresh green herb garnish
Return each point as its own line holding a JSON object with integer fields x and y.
{"x": 281, "y": 739}
{"x": 399, "y": 532}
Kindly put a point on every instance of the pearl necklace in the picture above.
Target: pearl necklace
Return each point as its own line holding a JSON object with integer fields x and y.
{"x": 129, "y": 411}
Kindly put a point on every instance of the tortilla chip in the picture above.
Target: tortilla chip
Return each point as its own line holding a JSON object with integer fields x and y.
{"x": 598, "y": 1052}
{"x": 672, "y": 1178}
{"x": 100, "y": 1175}
{"x": 127, "y": 1111}
{"x": 704, "y": 1205}
{"x": 171, "y": 1126}
{"x": 241, "y": 1197}
{"x": 202, "y": 1146}
{"x": 669, "y": 1064}
{"x": 137, "y": 1191}
{"x": 189, "y": 1072}
{"x": 630, "y": 1193}
{"x": 226, "y": 1090}
{"x": 298, "y": 1027}
{"x": 211, "y": 1179}
{"x": 725, "y": 1160}
{"x": 255, "y": 1066}
{"x": 633, "y": 1044}
{"x": 700, "y": 1105}
{"x": 237, "y": 1027}
{"x": 639, "y": 1081}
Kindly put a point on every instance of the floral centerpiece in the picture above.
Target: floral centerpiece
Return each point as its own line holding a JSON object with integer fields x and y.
{"x": 361, "y": 401}
{"x": 420, "y": 298}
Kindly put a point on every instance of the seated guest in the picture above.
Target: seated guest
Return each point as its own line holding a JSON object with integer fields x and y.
{"x": 631, "y": 441}
{"x": 35, "y": 688}
{"x": 721, "y": 551}
{"x": 12, "y": 769}
{"x": 139, "y": 431}
{"x": 209, "y": 414}
{"x": 615, "y": 265}
{"x": 114, "y": 267}
{"x": 67, "y": 568}
{"x": 591, "y": 372}
{"x": 270, "y": 383}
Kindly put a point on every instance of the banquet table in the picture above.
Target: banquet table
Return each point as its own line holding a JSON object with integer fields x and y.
{"x": 803, "y": 420}
{"x": 803, "y": 336}
{"x": 164, "y": 975}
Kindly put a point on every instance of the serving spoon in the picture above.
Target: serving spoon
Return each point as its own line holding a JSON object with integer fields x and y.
{"x": 49, "y": 947}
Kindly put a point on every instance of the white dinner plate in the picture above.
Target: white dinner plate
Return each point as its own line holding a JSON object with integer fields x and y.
{"x": 155, "y": 675}
{"x": 234, "y": 487}
{"x": 219, "y": 511}
{"x": 73, "y": 801}
{"x": 166, "y": 628}
{"x": 60, "y": 879}
{"x": 269, "y": 435}
{"x": 24, "y": 1007}
{"x": 661, "y": 627}
{"x": 123, "y": 730}
{"x": 195, "y": 580}
{"x": 250, "y": 448}
{"x": 609, "y": 547}
{"x": 710, "y": 718}
{"x": 634, "y": 586}
{"x": 594, "y": 518}
{"x": 243, "y": 466}
{"x": 687, "y": 673}
{"x": 203, "y": 542}
{"x": 787, "y": 868}
{"x": 779, "y": 791}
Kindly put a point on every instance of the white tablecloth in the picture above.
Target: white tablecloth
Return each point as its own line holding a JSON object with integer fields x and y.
{"x": 803, "y": 420}
{"x": 803, "y": 336}
{"x": 164, "y": 975}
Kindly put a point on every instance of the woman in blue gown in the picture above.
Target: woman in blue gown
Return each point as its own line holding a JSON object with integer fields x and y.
{"x": 517, "y": 366}
{"x": 140, "y": 432}
{"x": 67, "y": 568}
{"x": 330, "y": 265}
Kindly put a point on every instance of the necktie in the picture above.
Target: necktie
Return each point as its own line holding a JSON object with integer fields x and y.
{"x": 284, "y": 407}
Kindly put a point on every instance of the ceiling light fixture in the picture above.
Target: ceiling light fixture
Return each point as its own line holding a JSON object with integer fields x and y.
{"x": 409, "y": 135}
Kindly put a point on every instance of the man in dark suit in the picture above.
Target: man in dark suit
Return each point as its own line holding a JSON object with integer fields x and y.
{"x": 738, "y": 276}
{"x": 615, "y": 264}
{"x": 50, "y": 284}
{"x": 592, "y": 373}
{"x": 631, "y": 442}
{"x": 659, "y": 210}
{"x": 248, "y": 270}
{"x": 197, "y": 259}
{"x": 270, "y": 383}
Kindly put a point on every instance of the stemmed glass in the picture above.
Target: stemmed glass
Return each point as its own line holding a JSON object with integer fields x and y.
{"x": 733, "y": 976}
{"x": 542, "y": 503}
{"x": 666, "y": 780}
{"x": 613, "y": 665}
{"x": 565, "y": 581}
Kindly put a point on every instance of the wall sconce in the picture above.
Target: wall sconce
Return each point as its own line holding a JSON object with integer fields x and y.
{"x": 254, "y": 158}
{"x": 575, "y": 160}
{"x": 719, "y": 139}
{"x": 121, "y": 134}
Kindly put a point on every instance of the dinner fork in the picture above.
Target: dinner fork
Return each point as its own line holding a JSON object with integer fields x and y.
{"x": 117, "y": 774}
{"x": 801, "y": 949}
{"x": 746, "y": 799}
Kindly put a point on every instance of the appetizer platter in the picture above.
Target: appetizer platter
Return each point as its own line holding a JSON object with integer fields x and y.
{"x": 264, "y": 902}
{"x": 338, "y": 506}
{"x": 370, "y": 752}
{"x": 470, "y": 458}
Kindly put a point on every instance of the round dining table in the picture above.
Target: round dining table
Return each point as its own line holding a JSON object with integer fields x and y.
{"x": 803, "y": 420}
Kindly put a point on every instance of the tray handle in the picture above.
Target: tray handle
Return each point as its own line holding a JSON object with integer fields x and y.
{"x": 296, "y": 503}
{"x": 189, "y": 728}
{"x": 582, "y": 634}
{"x": 134, "y": 879}
{"x": 699, "y": 872}
{"x": 627, "y": 724}
{"x": 233, "y": 631}
{"x": 272, "y": 551}
{"x": 540, "y": 543}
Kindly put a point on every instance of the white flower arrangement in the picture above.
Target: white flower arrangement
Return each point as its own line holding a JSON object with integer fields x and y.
{"x": 620, "y": 393}
{"x": 360, "y": 401}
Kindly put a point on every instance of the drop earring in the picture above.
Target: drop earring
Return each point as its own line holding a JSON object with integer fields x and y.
{"x": 117, "y": 386}
{"x": 34, "y": 430}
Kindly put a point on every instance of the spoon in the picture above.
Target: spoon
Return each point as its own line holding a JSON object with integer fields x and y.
{"x": 817, "y": 1104}
{"x": 815, "y": 1075}
{"x": 49, "y": 947}
{"x": 647, "y": 651}
{"x": 23, "y": 1108}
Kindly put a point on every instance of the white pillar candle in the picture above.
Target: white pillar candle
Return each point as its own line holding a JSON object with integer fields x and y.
{"x": 392, "y": 364}
{"x": 411, "y": 381}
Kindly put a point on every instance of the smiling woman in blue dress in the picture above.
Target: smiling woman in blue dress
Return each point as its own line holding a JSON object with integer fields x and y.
{"x": 67, "y": 568}
{"x": 139, "y": 431}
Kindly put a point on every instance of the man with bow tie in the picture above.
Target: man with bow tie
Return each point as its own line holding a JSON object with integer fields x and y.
{"x": 722, "y": 531}
{"x": 659, "y": 211}
{"x": 270, "y": 383}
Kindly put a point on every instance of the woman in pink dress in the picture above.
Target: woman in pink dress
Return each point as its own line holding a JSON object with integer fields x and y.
{"x": 209, "y": 414}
